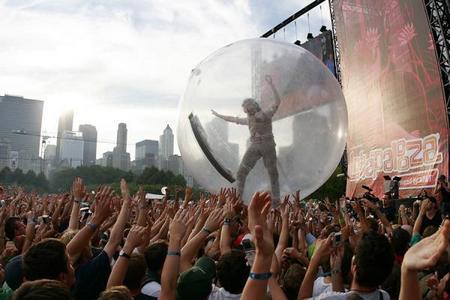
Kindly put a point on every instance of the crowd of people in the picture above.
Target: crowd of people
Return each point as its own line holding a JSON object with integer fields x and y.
{"x": 102, "y": 245}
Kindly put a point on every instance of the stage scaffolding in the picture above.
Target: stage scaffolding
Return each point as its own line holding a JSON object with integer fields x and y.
{"x": 439, "y": 17}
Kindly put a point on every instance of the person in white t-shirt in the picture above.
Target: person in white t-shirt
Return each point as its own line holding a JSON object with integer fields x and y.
{"x": 232, "y": 273}
{"x": 371, "y": 265}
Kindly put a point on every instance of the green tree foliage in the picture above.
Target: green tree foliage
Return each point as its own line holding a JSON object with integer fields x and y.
{"x": 151, "y": 178}
{"x": 333, "y": 188}
{"x": 29, "y": 180}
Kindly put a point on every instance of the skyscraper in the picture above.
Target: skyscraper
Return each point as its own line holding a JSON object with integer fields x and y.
{"x": 146, "y": 147}
{"x": 121, "y": 159}
{"x": 65, "y": 123}
{"x": 166, "y": 143}
{"x": 20, "y": 127}
{"x": 71, "y": 151}
{"x": 90, "y": 144}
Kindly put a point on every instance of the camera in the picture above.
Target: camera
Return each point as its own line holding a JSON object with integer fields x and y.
{"x": 44, "y": 219}
{"x": 337, "y": 239}
{"x": 85, "y": 213}
{"x": 369, "y": 196}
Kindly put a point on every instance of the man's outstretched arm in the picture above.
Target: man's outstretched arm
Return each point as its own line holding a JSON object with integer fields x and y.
{"x": 275, "y": 106}
{"x": 240, "y": 121}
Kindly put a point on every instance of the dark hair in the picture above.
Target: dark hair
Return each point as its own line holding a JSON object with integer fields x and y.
{"x": 374, "y": 259}
{"x": 43, "y": 289}
{"x": 155, "y": 255}
{"x": 400, "y": 241}
{"x": 232, "y": 271}
{"x": 292, "y": 280}
{"x": 10, "y": 227}
{"x": 45, "y": 260}
{"x": 135, "y": 272}
{"x": 116, "y": 293}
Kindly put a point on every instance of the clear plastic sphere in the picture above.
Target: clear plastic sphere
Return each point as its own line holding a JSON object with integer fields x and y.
{"x": 308, "y": 128}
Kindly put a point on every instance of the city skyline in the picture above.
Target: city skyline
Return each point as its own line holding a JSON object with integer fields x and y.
{"x": 125, "y": 62}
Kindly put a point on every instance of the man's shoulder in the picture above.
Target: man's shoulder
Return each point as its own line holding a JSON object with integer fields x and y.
{"x": 376, "y": 295}
{"x": 152, "y": 289}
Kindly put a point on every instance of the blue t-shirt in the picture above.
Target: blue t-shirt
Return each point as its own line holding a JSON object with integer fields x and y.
{"x": 92, "y": 277}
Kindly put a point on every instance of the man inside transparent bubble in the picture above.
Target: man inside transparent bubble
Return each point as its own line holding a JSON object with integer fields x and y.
{"x": 262, "y": 141}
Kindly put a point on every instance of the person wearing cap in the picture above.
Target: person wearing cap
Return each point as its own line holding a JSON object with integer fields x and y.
{"x": 196, "y": 282}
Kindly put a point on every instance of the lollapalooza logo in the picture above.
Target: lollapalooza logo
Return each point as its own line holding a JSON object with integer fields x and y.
{"x": 403, "y": 155}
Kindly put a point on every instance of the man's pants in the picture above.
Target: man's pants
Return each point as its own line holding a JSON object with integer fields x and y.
{"x": 267, "y": 151}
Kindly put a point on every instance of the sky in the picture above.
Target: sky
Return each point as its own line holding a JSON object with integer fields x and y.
{"x": 126, "y": 61}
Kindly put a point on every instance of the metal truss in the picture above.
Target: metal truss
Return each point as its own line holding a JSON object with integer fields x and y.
{"x": 439, "y": 17}
{"x": 337, "y": 49}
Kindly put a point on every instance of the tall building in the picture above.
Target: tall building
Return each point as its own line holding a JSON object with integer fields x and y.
{"x": 50, "y": 152}
{"x": 65, "y": 123}
{"x": 90, "y": 144}
{"x": 20, "y": 127}
{"x": 146, "y": 155}
{"x": 5, "y": 150}
{"x": 121, "y": 159}
{"x": 166, "y": 143}
{"x": 146, "y": 147}
{"x": 71, "y": 149}
{"x": 175, "y": 164}
{"x": 106, "y": 160}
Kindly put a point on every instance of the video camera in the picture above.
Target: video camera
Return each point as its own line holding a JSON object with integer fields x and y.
{"x": 369, "y": 196}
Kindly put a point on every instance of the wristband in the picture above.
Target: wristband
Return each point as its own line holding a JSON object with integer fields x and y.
{"x": 173, "y": 253}
{"x": 336, "y": 271}
{"x": 206, "y": 230}
{"x": 92, "y": 226}
{"x": 123, "y": 254}
{"x": 260, "y": 276}
{"x": 77, "y": 201}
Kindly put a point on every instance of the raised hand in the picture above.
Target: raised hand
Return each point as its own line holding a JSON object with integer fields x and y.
{"x": 103, "y": 208}
{"x": 426, "y": 253}
{"x": 228, "y": 210}
{"x": 124, "y": 189}
{"x": 214, "y": 220}
{"x": 258, "y": 209}
{"x": 135, "y": 237}
{"x": 257, "y": 215}
{"x": 336, "y": 258}
{"x": 177, "y": 227}
{"x": 78, "y": 189}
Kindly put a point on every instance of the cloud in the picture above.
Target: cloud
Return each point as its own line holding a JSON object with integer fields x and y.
{"x": 119, "y": 61}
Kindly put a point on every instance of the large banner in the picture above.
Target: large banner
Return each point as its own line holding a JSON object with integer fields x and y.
{"x": 390, "y": 75}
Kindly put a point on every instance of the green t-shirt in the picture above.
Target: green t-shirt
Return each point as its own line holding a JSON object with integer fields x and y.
{"x": 415, "y": 239}
{"x": 5, "y": 292}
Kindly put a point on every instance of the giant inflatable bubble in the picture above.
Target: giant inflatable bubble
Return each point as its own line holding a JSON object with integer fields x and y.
{"x": 264, "y": 112}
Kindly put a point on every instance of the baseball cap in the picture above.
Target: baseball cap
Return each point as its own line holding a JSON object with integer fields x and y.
{"x": 196, "y": 283}
{"x": 14, "y": 272}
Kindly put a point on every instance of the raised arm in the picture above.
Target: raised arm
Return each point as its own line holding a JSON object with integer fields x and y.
{"x": 256, "y": 285}
{"x": 171, "y": 266}
{"x": 119, "y": 226}
{"x": 422, "y": 255}
{"x": 119, "y": 271}
{"x": 323, "y": 248}
{"x": 275, "y": 106}
{"x": 192, "y": 247}
{"x": 78, "y": 191}
{"x": 102, "y": 212}
{"x": 418, "y": 222}
{"x": 237, "y": 120}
